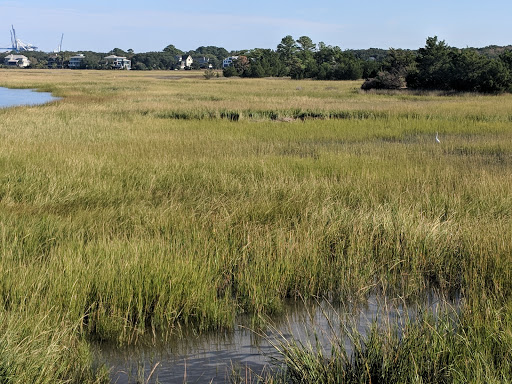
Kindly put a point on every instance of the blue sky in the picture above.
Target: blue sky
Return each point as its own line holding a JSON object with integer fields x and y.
{"x": 151, "y": 25}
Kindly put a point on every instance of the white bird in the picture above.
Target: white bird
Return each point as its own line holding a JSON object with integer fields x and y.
{"x": 437, "y": 138}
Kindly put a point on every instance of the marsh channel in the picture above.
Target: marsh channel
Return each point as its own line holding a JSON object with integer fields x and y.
{"x": 214, "y": 357}
{"x": 19, "y": 97}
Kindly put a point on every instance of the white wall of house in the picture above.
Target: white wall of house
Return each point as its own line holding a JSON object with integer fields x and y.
{"x": 16, "y": 61}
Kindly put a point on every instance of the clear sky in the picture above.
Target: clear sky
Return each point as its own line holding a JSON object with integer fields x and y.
{"x": 151, "y": 25}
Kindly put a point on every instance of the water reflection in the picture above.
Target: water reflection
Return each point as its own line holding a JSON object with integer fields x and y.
{"x": 17, "y": 97}
{"x": 211, "y": 358}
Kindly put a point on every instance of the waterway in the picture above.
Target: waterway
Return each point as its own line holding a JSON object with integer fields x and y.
{"x": 211, "y": 358}
{"x": 18, "y": 97}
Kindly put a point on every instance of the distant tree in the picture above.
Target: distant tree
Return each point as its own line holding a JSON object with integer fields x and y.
{"x": 33, "y": 62}
{"x": 118, "y": 52}
{"x": 172, "y": 50}
{"x": 506, "y": 58}
{"x": 242, "y": 66}
{"x": 268, "y": 60}
{"x": 440, "y": 67}
{"x": 229, "y": 71}
{"x": 306, "y": 44}
{"x": 395, "y": 68}
{"x": 307, "y": 67}
{"x": 296, "y": 68}
{"x": 371, "y": 68}
{"x": 287, "y": 50}
{"x": 89, "y": 62}
{"x": 370, "y": 54}
{"x": 473, "y": 72}
{"x": 257, "y": 70}
{"x": 433, "y": 66}
{"x": 219, "y": 52}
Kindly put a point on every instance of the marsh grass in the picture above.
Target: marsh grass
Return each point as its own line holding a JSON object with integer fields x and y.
{"x": 445, "y": 345}
{"x": 141, "y": 203}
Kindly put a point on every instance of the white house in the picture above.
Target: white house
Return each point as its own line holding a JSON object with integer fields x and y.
{"x": 76, "y": 61}
{"x": 228, "y": 61}
{"x": 184, "y": 61}
{"x": 118, "y": 62}
{"x": 16, "y": 61}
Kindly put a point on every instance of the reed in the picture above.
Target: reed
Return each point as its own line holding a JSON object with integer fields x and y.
{"x": 445, "y": 346}
{"x": 139, "y": 202}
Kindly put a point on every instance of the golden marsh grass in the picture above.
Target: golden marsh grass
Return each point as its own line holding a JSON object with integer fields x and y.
{"x": 148, "y": 200}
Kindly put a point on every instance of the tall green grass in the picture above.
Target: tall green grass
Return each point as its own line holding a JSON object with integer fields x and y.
{"x": 136, "y": 203}
{"x": 446, "y": 346}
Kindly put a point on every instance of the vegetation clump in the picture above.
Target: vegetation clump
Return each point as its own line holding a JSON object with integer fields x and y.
{"x": 440, "y": 67}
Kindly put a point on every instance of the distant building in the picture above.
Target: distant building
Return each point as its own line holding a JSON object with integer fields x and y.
{"x": 204, "y": 62}
{"x": 184, "y": 61}
{"x": 228, "y": 61}
{"x": 19, "y": 61}
{"x": 54, "y": 61}
{"x": 76, "y": 61}
{"x": 118, "y": 62}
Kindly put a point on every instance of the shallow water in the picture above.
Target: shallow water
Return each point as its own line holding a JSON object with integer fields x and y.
{"x": 210, "y": 358}
{"x": 17, "y": 97}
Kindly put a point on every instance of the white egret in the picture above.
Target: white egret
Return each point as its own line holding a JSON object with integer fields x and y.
{"x": 437, "y": 138}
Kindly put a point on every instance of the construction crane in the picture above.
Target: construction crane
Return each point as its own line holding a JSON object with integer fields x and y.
{"x": 18, "y": 45}
{"x": 59, "y": 48}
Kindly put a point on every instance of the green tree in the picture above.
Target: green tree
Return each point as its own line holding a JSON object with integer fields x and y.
{"x": 307, "y": 68}
{"x": 172, "y": 50}
{"x": 118, "y": 52}
{"x": 297, "y": 68}
{"x": 433, "y": 66}
{"x": 306, "y": 44}
{"x": 506, "y": 58}
{"x": 473, "y": 72}
{"x": 257, "y": 70}
{"x": 229, "y": 71}
{"x": 395, "y": 68}
{"x": 287, "y": 50}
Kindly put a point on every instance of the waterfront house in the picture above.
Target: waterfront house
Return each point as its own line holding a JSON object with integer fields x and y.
{"x": 184, "y": 61}
{"x": 19, "y": 61}
{"x": 76, "y": 61}
{"x": 228, "y": 61}
{"x": 204, "y": 62}
{"x": 118, "y": 62}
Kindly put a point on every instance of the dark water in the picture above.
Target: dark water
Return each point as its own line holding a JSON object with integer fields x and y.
{"x": 211, "y": 358}
{"x": 17, "y": 97}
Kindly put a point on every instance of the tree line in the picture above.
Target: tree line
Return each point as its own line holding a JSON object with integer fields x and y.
{"x": 438, "y": 66}
{"x": 435, "y": 66}
{"x": 301, "y": 59}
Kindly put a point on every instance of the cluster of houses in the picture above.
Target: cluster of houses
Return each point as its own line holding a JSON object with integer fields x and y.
{"x": 76, "y": 62}
{"x": 112, "y": 61}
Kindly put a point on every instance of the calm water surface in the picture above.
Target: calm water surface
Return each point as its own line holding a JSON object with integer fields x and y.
{"x": 210, "y": 358}
{"x": 16, "y": 97}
